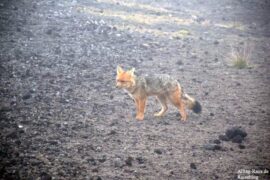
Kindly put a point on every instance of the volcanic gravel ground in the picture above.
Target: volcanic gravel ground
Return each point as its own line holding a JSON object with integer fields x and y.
{"x": 61, "y": 116}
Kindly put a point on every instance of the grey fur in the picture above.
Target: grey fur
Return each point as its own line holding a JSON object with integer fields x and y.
{"x": 155, "y": 84}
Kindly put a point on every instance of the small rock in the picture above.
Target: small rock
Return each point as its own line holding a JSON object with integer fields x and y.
{"x": 26, "y": 96}
{"x": 251, "y": 123}
{"x": 237, "y": 139}
{"x": 18, "y": 142}
{"x": 5, "y": 109}
{"x": 179, "y": 62}
{"x": 238, "y": 84}
{"x": 98, "y": 149}
{"x": 223, "y": 138}
{"x": 235, "y": 134}
{"x": 118, "y": 163}
{"x": 194, "y": 57}
{"x": 140, "y": 160}
{"x": 158, "y": 151}
{"x": 241, "y": 146}
{"x": 45, "y": 176}
{"x": 212, "y": 147}
{"x": 92, "y": 161}
{"x": 96, "y": 178}
{"x": 103, "y": 159}
{"x": 111, "y": 96}
{"x": 193, "y": 166}
{"x": 235, "y": 131}
{"x": 129, "y": 161}
{"x": 52, "y": 142}
{"x": 49, "y": 31}
{"x": 35, "y": 162}
{"x": 32, "y": 90}
{"x": 211, "y": 114}
{"x": 145, "y": 45}
{"x": 64, "y": 101}
{"x": 216, "y": 141}
{"x": 216, "y": 176}
{"x": 216, "y": 42}
{"x": 112, "y": 132}
{"x": 195, "y": 80}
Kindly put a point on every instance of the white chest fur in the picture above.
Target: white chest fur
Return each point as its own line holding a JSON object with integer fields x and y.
{"x": 129, "y": 93}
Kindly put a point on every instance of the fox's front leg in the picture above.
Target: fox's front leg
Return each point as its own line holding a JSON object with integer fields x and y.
{"x": 140, "y": 107}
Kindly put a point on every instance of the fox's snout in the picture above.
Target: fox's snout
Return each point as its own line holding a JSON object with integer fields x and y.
{"x": 117, "y": 85}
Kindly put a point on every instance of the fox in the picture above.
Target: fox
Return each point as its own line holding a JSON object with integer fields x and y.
{"x": 164, "y": 87}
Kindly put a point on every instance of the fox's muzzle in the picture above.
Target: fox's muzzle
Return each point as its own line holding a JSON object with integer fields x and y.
{"x": 117, "y": 85}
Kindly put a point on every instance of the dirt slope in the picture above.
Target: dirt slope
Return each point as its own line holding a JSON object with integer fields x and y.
{"x": 63, "y": 118}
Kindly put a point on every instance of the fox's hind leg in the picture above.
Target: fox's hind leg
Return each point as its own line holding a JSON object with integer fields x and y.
{"x": 175, "y": 98}
{"x": 163, "y": 101}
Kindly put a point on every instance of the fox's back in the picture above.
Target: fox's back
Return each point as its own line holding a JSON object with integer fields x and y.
{"x": 157, "y": 84}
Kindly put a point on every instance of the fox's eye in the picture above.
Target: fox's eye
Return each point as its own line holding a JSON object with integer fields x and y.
{"x": 121, "y": 81}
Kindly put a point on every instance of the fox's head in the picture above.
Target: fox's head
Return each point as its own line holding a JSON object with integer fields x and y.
{"x": 125, "y": 79}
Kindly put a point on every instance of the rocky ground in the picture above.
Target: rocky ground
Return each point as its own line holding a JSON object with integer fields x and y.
{"x": 63, "y": 118}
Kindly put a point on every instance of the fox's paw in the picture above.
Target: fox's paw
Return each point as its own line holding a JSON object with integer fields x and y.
{"x": 184, "y": 118}
{"x": 140, "y": 117}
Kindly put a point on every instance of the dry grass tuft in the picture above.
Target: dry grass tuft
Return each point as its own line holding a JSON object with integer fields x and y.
{"x": 240, "y": 56}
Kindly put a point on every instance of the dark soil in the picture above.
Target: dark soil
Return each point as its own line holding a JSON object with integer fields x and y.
{"x": 61, "y": 116}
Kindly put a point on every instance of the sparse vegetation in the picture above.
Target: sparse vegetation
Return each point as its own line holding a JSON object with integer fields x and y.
{"x": 240, "y": 56}
{"x": 240, "y": 62}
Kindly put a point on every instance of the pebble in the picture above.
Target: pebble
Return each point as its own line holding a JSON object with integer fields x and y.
{"x": 129, "y": 161}
{"x": 193, "y": 166}
{"x": 158, "y": 151}
{"x": 118, "y": 163}
{"x": 212, "y": 147}
{"x": 140, "y": 160}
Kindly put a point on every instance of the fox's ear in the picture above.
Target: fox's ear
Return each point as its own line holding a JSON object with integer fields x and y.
{"x": 131, "y": 72}
{"x": 119, "y": 70}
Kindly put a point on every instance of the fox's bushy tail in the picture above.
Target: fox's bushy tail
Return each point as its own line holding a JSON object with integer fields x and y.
{"x": 192, "y": 104}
